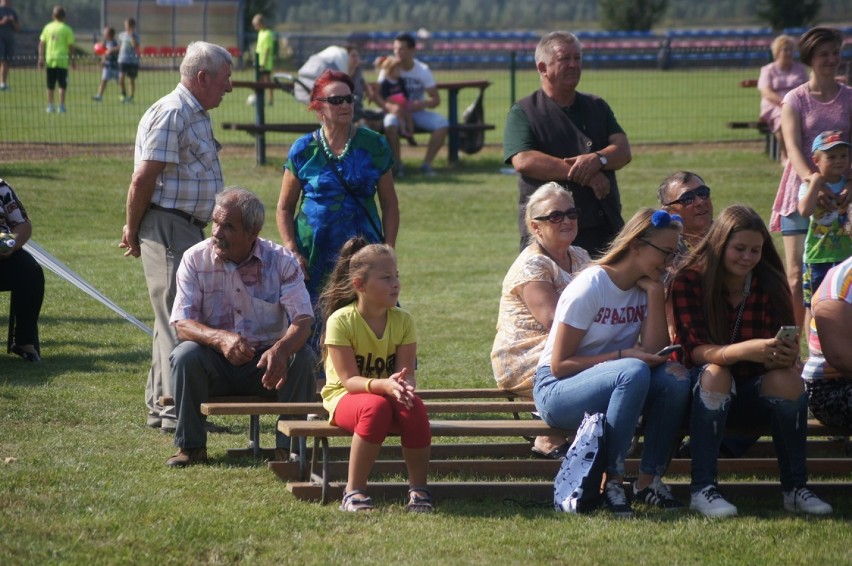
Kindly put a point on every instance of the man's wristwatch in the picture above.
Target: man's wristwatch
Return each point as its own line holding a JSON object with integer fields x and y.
{"x": 602, "y": 159}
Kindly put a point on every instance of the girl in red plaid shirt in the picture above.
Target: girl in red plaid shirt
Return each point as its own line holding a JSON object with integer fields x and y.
{"x": 728, "y": 300}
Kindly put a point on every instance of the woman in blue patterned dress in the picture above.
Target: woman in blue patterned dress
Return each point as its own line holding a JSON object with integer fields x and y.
{"x": 331, "y": 179}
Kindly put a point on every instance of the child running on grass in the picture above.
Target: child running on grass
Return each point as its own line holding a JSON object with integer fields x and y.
{"x": 109, "y": 55}
{"x": 369, "y": 349}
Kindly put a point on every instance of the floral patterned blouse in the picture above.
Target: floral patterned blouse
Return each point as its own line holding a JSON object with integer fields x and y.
{"x": 520, "y": 337}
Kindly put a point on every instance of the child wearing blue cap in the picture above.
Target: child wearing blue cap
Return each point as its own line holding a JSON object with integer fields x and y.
{"x": 828, "y": 241}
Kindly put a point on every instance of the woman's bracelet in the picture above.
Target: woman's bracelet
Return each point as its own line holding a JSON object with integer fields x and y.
{"x": 367, "y": 385}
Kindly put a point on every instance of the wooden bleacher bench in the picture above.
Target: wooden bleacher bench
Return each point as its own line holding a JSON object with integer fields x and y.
{"x": 315, "y": 481}
{"x": 254, "y": 407}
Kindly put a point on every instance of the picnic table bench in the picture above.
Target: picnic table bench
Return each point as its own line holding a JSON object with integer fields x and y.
{"x": 260, "y": 127}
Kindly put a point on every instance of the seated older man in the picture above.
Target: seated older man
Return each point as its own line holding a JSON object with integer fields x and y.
{"x": 828, "y": 372}
{"x": 236, "y": 293}
{"x": 686, "y": 195}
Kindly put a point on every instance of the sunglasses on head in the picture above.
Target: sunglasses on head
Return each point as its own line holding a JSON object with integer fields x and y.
{"x": 337, "y": 100}
{"x": 558, "y": 216}
{"x": 687, "y": 198}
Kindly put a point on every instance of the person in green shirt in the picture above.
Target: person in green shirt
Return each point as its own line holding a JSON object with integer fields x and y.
{"x": 54, "y": 50}
{"x": 265, "y": 50}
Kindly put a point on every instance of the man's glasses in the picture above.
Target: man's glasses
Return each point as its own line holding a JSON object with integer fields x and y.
{"x": 687, "y": 198}
{"x": 338, "y": 100}
{"x": 669, "y": 256}
{"x": 558, "y": 216}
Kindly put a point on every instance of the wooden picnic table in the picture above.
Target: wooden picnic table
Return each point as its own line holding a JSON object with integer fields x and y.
{"x": 261, "y": 127}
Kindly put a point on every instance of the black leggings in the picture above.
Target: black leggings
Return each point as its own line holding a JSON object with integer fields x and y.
{"x": 21, "y": 274}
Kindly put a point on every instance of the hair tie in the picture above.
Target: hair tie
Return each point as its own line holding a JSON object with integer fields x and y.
{"x": 661, "y": 218}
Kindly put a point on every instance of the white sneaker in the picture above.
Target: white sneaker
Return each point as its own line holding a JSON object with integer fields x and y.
{"x": 710, "y": 503}
{"x": 50, "y": 108}
{"x": 803, "y": 500}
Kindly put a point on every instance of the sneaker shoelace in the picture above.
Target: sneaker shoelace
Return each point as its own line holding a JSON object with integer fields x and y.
{"x": 803, "y": 494}
{"x": 615, "y": 494}
{"x": 712, "y": 495}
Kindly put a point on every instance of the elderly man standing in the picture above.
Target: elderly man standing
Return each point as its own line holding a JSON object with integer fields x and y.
{"x": 236, "y": 293}
{"x": 422, "y": 95}
{"x": 685, "y": 194}
{"x": 559, "y": 134}
{"x": 175, "y": 180}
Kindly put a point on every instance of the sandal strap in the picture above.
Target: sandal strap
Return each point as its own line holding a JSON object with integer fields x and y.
{"x": 418, "y": 502}
{"x": 365, "y": 503}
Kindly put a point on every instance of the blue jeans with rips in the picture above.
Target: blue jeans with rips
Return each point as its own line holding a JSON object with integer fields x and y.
{"x": 623, "y": 390}
{"x": 745, "y": 406}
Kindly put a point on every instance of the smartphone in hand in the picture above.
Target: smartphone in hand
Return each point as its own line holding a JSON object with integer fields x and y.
{"x": 789, "y": 333}
{"x": 668, "y": 350}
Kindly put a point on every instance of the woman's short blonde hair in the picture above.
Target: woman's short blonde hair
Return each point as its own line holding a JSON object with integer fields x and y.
{"x": 780, "y": 43}
{"x": 534, "y": 204}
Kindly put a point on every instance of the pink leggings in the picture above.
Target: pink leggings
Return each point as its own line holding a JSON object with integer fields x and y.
{"x": 373, "y": 417}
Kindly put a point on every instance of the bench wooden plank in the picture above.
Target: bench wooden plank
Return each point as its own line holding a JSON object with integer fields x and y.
{"x": 432, "y": 407}
{"x": 543, "y": 491}
{"x": 499, "y": 427}
{"x": 490, "y": 427}
{"x": 532, "y": 467}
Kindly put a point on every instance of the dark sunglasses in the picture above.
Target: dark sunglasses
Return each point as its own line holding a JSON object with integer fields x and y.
{"x": 338, "y": 100}
{"x": 558, "y": 216}
{"x": 687, "y": 198}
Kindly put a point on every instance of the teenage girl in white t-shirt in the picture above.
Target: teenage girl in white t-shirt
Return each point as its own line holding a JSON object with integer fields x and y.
{"x": 600, "y": 357}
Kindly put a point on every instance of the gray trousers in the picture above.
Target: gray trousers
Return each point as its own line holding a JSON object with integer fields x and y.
{"x": 163, "y": 238}
{"x": 199, "y": 372}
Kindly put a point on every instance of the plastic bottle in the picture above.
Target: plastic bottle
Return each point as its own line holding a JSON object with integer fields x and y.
{"x": 7, "y": 240}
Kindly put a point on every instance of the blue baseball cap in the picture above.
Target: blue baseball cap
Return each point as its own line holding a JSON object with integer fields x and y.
{"x": 827, "y": 140}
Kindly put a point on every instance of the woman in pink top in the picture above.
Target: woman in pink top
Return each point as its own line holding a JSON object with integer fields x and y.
{"x": 777, "y": 79}
{"x": 819, "y": 105}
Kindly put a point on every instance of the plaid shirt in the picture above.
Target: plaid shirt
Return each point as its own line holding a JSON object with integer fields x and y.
{"x": 759, "y": 320}
{"x": 253, "y": 299}
{"x": 177, "y": 131}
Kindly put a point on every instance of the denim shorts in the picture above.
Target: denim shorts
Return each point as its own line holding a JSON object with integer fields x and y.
{"x": 794, "y": 225}
{"x": 423, "y": 120}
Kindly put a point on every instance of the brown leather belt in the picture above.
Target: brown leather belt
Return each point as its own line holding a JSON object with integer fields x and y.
{"x": 186, "y": 216}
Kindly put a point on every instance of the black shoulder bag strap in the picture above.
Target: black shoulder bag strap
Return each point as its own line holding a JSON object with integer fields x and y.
{"x": 346, "y": 186}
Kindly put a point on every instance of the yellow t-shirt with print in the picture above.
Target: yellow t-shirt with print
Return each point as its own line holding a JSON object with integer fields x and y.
{"x": 375, "y": 356}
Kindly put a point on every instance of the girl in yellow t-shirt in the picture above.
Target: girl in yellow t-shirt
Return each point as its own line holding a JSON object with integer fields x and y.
{"x": 369, "y": 349}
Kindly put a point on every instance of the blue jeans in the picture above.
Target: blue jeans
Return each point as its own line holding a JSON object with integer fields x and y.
{"x": 745, "y": 406}
{"x": 623, "y": 390}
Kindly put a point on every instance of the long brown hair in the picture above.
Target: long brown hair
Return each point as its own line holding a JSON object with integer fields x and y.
{"x": 357, "y": 257}
{"x": 708, "y": 259}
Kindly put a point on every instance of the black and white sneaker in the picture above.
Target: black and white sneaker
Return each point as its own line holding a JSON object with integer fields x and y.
{"x": 657, "y": 494}
{"x": 615, "y": 499}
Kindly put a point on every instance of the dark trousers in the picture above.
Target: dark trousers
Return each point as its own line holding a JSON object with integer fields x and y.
{"x": 199, "y": 373}
{"x": 21, "y": 274}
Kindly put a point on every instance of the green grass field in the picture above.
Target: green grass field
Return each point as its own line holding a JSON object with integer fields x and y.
{"x": 82, "y": 478}
{"x": 652, "y": 106}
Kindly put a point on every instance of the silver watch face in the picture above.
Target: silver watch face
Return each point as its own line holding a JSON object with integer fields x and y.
{"x": 603, "y": 159}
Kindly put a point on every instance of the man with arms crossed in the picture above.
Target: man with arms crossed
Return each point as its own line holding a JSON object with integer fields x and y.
{"x": 559, "y": 134}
